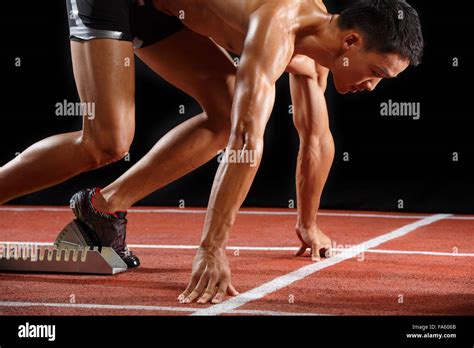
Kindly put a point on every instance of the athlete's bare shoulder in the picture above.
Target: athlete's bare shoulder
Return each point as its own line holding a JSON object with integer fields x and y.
{"x": 279, "y": 13}
{"x": 320, "y": 4}
{"x": 275, "y": 7}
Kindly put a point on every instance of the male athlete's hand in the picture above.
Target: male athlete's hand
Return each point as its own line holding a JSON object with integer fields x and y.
{"x": 316, "y": 240}
{"x": 210, "y": 279}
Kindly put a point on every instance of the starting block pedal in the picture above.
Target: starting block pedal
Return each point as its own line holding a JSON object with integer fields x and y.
{"x": 69, "y": 254}
{"x": 73, "y": 236}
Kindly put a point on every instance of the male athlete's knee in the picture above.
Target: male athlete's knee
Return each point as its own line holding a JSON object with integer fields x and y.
{"x": 107, "y": 150}
{"x": 223, "y": 136}
{"x": 228, "y": 89}
{"x": 230, "y": 85}
{"x": 217, "y": 104}
{"x": 113, "y": 149}
{"x": 219, "y": 92}
{"x": 219, "y": 126}
{"x": 218, "y": 122}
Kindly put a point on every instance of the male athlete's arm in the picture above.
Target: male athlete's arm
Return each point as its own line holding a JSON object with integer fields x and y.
{"x": 316, "y": 151}
{"x": 267, "y": 51}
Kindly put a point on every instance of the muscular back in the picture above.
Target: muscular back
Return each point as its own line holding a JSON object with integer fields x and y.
{"x": 227, "y": 21}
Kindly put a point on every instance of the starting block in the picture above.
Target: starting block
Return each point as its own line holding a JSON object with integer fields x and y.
{"x": 70, "y": 253}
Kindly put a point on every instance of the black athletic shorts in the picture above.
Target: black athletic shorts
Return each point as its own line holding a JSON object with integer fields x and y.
{"x": 137, "y": 21}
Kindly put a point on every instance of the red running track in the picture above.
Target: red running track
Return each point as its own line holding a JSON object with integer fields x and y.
{"x": 428, "y": 270}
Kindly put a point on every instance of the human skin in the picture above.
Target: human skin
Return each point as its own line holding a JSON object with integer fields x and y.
{"x": 272, "y": 36}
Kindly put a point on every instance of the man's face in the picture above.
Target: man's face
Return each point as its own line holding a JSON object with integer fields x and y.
{"x": 359, "y": 70}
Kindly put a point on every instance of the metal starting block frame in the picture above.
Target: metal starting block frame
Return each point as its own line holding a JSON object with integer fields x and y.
{"x": 69, "y": 254}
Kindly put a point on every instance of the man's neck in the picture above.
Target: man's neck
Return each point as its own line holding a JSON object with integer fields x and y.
{"x": 320, "y": 39}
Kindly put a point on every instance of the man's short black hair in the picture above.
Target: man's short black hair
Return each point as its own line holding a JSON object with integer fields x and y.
{"x": 388, "y": 26}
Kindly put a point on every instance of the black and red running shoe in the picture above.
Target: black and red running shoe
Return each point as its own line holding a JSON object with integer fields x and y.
{"x": 110, "y": 229}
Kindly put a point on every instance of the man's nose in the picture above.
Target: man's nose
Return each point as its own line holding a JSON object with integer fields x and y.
{"x": 371, "y": 84}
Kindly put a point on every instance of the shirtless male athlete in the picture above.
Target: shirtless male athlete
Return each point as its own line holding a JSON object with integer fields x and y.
{"x": 371, "y": 40}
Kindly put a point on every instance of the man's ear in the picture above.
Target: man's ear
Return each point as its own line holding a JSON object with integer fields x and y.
{"x": 351, "y": 39}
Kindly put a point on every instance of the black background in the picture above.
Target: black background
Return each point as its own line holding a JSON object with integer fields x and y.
{"x": 224, "y": 331}
{"x": 391, "y": 158}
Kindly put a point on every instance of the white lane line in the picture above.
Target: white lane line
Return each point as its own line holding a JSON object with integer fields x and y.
{"x": 203, "y": 211}
{"x": 145, "y": 308}
{"x": 301, "y": 273}
{"x": 95, "y": 306}
{"x": 245, "y": 212}
{"x": 265, "y": 248}
{"x": 251, "y": 248}
{"x": 274, "y": 313}
{"x": 193, "y": 247}
{"x": 34, "y": 209}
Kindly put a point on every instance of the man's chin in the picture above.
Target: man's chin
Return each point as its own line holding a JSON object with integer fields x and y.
{"x": 342, "y": 90}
